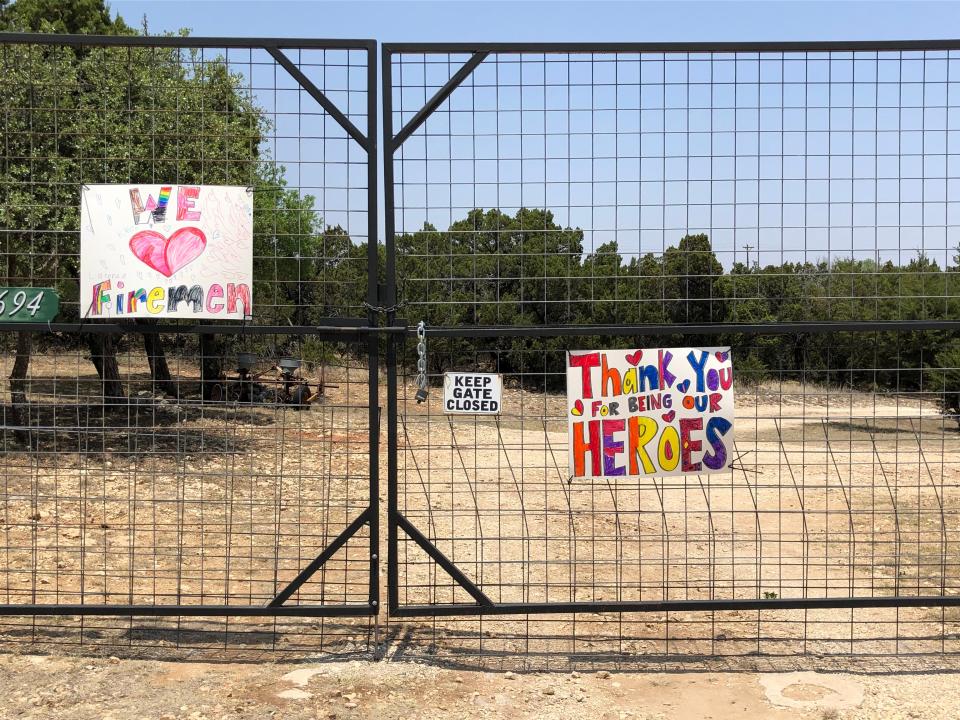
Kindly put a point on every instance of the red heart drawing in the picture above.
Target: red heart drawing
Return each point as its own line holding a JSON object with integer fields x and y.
{"x": 167, "y": 255}
{"x": 577, "y": 408}
{"x": 669, "y": 416}
{"x": 634, "y": 358}
{"x": 722, "y": 356}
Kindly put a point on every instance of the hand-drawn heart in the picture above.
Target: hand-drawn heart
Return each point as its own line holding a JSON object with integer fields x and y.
{"x": 634, "y": 358}
{"x": 167, "y": 255}
{"x": 669, "y": 416}
{"x": 577, "y": 408}
{"x": 684, "y": 386}
{"x": 722, "y": 356}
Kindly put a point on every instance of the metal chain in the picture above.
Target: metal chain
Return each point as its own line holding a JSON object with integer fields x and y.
{"x": 421, "y": 395}
{"x": 383, "y": 308}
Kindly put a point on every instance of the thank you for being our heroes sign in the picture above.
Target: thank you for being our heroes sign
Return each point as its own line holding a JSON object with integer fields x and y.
{"x": 472, "y": 393}
{"x": 166, "y": 251}
{"x": 655, "y": 412}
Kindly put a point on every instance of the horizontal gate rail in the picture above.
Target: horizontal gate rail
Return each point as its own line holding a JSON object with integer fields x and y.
{"x": 47, "y": 609}
{"x": 789, "y": 46}
{"x": 253, "y": 43}
{"x": 663, "y": 606}
{"x": 790, "y": 328}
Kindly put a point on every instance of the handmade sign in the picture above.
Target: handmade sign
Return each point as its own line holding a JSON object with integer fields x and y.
{"x": 472, "y": 393}
{"x": 166, "y": 251}
{"x": 666, "y": 411}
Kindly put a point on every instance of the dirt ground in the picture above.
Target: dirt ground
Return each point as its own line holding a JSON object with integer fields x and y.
{"x": 113, "y": 689}
{"x": 835, "y": 493}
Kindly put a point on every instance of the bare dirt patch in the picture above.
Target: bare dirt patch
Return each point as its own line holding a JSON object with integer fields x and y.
{"x": 94, "y": 689}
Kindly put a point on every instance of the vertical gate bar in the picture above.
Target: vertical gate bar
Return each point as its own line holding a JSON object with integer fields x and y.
{"x": 373, "y": 338}
{"x": 394, "y": 338}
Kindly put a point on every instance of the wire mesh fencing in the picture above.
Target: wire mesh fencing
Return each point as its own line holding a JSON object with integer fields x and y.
{"x": 202, "y": 478}
{"x": 793, "y": 203}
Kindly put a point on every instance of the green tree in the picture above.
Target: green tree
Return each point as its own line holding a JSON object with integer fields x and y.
{"x": 131, "y": 115}
{"x": 87, "y": 17}
{"x": 33, "y": 178}
{"x": 691, "y": 273}
{"x": 944, "y": 378}
{"x": 491, "y": 268}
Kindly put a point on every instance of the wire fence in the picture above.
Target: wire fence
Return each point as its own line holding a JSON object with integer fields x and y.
{"x": 219, "y": 484}
{"x": 796, "y": 204}
{"x": 216, "y": 483}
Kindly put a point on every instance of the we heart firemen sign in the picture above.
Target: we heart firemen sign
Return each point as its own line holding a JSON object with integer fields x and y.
{"x": 166, "y": 251}
{"x": 650, "y": 412}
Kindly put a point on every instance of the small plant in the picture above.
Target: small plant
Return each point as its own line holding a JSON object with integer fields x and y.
{"x": 316, "y": 352}
{"x": 769, "y": 595}
{"x": 944, "y": 379}
{"x": 750, "y": 371}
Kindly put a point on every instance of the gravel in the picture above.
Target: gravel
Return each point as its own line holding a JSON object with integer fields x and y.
{"x": 81, "y": 688}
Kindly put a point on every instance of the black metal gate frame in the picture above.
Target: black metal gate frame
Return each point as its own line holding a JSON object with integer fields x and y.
{"x": 357, "y": 330}
{"x": 382, "y": 299}
{"x": 396, "y": 521}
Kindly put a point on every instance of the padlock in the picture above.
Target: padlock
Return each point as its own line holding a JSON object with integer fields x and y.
{"x": 421, "y": 395}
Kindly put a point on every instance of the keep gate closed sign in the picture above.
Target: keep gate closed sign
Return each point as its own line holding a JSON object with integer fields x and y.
{"x": 472, "y": 393}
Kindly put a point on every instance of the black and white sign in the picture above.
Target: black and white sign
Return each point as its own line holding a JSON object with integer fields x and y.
{"x": 472, "y": 393}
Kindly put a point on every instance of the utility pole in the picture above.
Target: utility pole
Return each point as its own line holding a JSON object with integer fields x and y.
{"x": 748, "y": 247}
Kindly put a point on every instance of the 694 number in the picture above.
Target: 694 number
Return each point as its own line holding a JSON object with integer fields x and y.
{"x": 19, "y": 302}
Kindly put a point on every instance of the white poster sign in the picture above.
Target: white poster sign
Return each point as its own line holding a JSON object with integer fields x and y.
{"x": 665, "y": 411}
{"x": 166, "y": 251}
{"x": 472, "y": 393}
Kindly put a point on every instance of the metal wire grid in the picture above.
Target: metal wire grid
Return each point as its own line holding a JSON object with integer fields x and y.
{"x": 143, "y": 113}
{"x": 813, "y": 170}
{"x": 184, "y": 505}
{"x": 164, "y": 492}
{"x": 880, "y": 640}
{"x": 210, "y": 639}
{"x": 835, "y": 493}
{"x": 562, "y": 199}
{"x": 160, "y": 502}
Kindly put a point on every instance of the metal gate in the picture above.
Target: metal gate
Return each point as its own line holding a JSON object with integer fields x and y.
{"x": 795, "y": 201}
{"x": 134, "y": 481}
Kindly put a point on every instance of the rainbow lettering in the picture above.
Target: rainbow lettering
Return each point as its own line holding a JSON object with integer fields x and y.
{"x": 665, "y": 411}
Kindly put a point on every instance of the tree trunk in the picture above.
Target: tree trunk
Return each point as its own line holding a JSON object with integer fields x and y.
{"x": 103, "y": 353}
{"x": 210, "y": 366}
{"x": 19, "y": 408}
{"x": 156, "y": 357}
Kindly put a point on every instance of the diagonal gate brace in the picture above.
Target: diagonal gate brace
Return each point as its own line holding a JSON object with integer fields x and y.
{"x": 317, "y": 94}
{"x": 437, "y": 100}
{"x": 443, "y": 561}
{"x": 305, "y": 574}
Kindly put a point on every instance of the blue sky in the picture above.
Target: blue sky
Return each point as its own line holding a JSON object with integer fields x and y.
{"x": 550, "y": 20}
{"x": 805, "y": 158}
